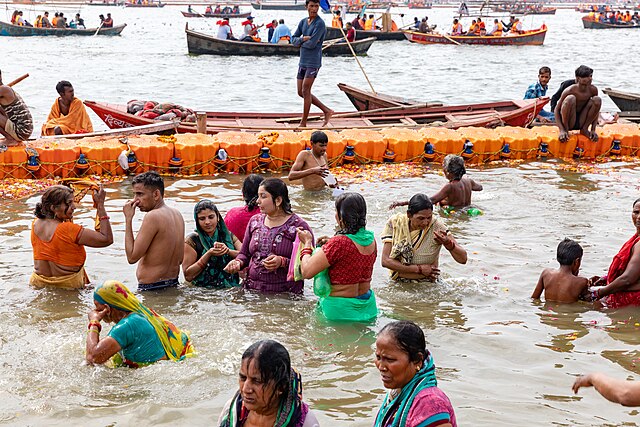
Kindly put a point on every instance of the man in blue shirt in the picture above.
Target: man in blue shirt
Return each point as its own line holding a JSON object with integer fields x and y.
{"x": 281, "y": 31}
{"x": 309, "y": 36}
{"x": 538, "y": 90}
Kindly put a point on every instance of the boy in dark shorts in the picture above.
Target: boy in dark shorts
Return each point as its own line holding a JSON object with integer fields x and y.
{"x": 563, "y": 284}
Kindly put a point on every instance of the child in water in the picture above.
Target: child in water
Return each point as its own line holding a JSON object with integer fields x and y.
{"x": 564, "y": 285}
{"x": 457, "y": 193}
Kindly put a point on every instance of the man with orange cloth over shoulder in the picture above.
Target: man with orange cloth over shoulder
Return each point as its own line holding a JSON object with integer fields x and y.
{"x": 67, "y": 115}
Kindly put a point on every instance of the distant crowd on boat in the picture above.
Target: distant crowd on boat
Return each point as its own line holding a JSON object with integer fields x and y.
{"x": 617, "y": 17}
{"x": 58, "y": 21}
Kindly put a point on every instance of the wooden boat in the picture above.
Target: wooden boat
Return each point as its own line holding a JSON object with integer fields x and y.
{"x": 7, "y": 29}
{"x": 527, "y": 11}
{"x": 511, "y": 113}
{"x": 297, "y": 5}
{"x": 514, "y": 113}
{"x": 215, "y": 15}
{"x": 335, "y": 33}
{"x": 144, "y": 5}
{"x": 625, "y": 101}
{"x": 105, "y": 3}
{"x": 411, "y": 5}
{"x": 151, "y": 128}
{"x": 589, "y": 23}
{"x": 203, "y": 44}
{"x": 530, "y": 38}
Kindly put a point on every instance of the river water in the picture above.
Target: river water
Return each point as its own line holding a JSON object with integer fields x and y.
{"x": 501, "y": 358}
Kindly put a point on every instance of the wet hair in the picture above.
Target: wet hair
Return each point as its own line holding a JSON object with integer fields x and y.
{"x": 419, "y": 202}
{"x": 306, "y": 2}
{"x": 584, "y": 71}
{"x": 151, "y": 179}
{"x": 281, "y": 21}
{"x": 454, "y": 165}
{"x": 544, "y": 70}
{"x": 319, "y": 137}
{"x": 53, "y": 196}
{"x": 62, "y": 86}
{"x": 352, "y": 211}
{"x": 250, "y": 190}
{"x": 409, "y": 337}
{"x": 568, "y": 251}
{"x": 273, "y": 363}
{"x": 277, "y": 188}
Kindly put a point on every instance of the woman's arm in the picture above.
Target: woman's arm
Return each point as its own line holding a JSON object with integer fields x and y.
{"x": 192, "y": 267}
{"x": 457, "y": 252}
{"x": 99, "y": 351}
{"x": 629, "y": 278}
{"x": 104, "y": 237}
{"x": 310, "y": 265}
{"x": 626, "y": 393}
{"x": 394, "y": 264}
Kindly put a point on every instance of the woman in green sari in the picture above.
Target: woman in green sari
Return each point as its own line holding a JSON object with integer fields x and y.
{"x": 346, "y": 261}
{"x": 412, "y": 242}
{"x": 209, "y": 249}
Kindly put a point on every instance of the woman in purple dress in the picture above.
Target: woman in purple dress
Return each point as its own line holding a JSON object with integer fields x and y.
{"x": 268, "y": 242}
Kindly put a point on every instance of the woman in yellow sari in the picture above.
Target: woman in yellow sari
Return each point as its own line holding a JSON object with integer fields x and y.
{"x": 140, "y": 335}
{"x": 412, "y": 242}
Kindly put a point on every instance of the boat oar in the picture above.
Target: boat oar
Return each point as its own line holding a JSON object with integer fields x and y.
{"x": 450, "y": 39}
{"x": 358, "y": 61}
{"x": 98, "y": 30}
{"x": 362, "y": 113}
{"x": 331, "y": 43}
{"x": 18, "y": 80}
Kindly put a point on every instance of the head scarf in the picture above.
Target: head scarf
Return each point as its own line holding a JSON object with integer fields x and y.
{"x": 291, "y": 413}
{"x": 116, "y": 295}
{"x": 394, "y": 411}
{"x": 213, "y": 274}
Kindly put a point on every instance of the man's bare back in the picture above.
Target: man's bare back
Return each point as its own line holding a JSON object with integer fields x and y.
{"x": 166, "y": 249}
{"x": 560, "y": 286}
{"x": 456, "y": 193}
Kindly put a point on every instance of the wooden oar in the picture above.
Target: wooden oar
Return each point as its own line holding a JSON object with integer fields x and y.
{"x": 98, "y": 30}
{"x": 358, "y": 61}
{"x": 18, "y": 80}
{"x": 450, "y": 39}
{"x": 331, "y": 43}
{"x": 364, "y": 113}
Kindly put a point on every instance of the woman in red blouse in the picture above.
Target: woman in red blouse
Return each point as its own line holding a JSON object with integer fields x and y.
{"x": 347, "y": 259}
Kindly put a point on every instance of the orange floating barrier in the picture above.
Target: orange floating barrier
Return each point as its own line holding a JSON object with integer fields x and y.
{"x": 243, "y": 148}
{"x": 197, "y": 152}
{"x": 13, "y": 162}
{"x": 445, "y": 141}
{"x": 102, "y": 154}
{"x": 368, "y": 145}
{"x": 57, "y": 157}
{"x": 405, "y": 143}
{"x": 152, "y": 152}
{"x": 284, "y": 146}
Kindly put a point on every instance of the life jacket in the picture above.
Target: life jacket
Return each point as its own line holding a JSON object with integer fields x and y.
{"x": 499, "y": 31}
{"x": 38, "y": 22}
{"x": 457, "y": 28}
{"x": 368, "y": 24}
{"x": 256, "y": 39}
{"x": 394, "y": 26}
{"x": 472, "y": 28}
{"x": 13, "y": 19}
{"x": 54, "y": 21}
{"x": 515, "y": 29}
{"x": 336, "y": 22}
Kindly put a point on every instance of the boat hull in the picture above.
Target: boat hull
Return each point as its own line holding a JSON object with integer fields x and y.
{"x": 153, "y": 5}
{"x": 625, "y": 101}
{"x": 511, "y": 113}
{"x": 9, "y": 30}
{"x": 334, "y": 33}
{"x": 594, "y": 25}
{"x": 203, "y": 44}
{"x": 215, "y": 15}
{"x": 279, "y": 6}
{"x": 533, "y": 38}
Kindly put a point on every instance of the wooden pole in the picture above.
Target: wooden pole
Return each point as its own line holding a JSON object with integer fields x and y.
{"x": 201, "y": 122}
{"x": 18, "y": 80}
{"x": 358, "y": 61}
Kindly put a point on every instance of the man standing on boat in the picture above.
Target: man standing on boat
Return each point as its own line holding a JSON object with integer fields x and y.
{"x": 309, "y": 36}
{"x": 16, "y": 123}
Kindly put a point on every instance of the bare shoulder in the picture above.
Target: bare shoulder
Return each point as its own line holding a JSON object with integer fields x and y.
{"x": 594, "y": 90}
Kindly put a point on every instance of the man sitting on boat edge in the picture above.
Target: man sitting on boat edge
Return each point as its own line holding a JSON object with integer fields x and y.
{"x": 67, "y": 115}
{"x": 16, "y": 123}
{"x": 538, "y": 90}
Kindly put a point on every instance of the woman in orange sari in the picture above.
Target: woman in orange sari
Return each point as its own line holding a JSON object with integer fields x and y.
{"x": 58, "y": 243}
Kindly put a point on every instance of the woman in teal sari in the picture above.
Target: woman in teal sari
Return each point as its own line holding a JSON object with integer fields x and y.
{"x": 209, "y": 249}
{"x": 407, "y": 370}
{"x": 346, "y": 261}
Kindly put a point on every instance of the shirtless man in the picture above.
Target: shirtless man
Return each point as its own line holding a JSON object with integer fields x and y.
{"x": 563, "y": 285}
{"x": 16, "y": 123}
{"x": 579, "y": 107}
{"x": 159, "y": 246}
{"x": 457, "y": 193}
{"x": 311, "y": 165}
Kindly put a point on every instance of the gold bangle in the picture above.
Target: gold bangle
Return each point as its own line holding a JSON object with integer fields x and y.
{"x": 94, "y": 330}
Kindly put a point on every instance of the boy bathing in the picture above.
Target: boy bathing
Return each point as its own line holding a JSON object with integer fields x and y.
{"x": 457, "y": 193}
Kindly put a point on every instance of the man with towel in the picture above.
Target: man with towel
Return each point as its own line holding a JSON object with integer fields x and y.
{"x": 68, "y": 115}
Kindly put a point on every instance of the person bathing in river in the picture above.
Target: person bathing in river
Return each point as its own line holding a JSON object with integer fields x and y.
{"x": 457, "y": 193}
{"x": 312, "y": 166}
{"x": 563, "y": 285}
{"x": 579, "y": 107}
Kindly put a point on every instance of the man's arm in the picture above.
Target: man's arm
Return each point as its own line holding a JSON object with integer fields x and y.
{"x": 297, "y": 38}
{"x": 297, "y": 171}
{"x": 475, "y": 186}
{"x": 441, "y": 195}
{"x": 626, "y": 393}
{"x": 537, "y": 292}
{"x": 317, "y": 35}
{"x": 557, "y": 112}
{"x": 137, "y": 248}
